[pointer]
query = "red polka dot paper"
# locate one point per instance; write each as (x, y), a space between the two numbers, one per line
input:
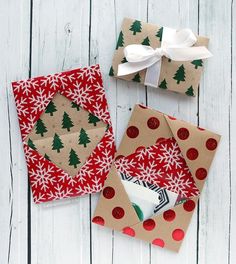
(84, 87)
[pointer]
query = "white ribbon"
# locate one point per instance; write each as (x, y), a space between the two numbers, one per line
(175, 45)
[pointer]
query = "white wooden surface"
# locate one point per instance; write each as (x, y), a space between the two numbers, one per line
(40, 37)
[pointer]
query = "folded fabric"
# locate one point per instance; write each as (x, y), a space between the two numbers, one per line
(165, 152)
(159, 56)
(66, 133)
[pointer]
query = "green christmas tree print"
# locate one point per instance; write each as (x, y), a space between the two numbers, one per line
(120, 42)
(111, 72)
(74, 105)
(136, 27)
(124, 60)
(40, 128)
(51, 108)
(93, 119)
(47, 157)
(180, 74)
(163, 84)
(190, 91)
(137, 78)
(66, 122)
(146, 42)
(83, 138)
(57, 143)
(73, 159)
(197, 63)
(31, 144)
(160, 33)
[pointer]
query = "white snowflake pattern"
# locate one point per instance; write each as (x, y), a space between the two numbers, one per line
(123, 165)
(85, 172)
(21, 108)
(27, 126)
(65, 177)
(95, 187)
(149, 173)
(40, 101)
(171, 156)
(101, 113)
(42, 176)
(99, 91)
(146, 152)
(29, 156)
(104, 163)
(39, 197)
(54, 81)
(60, 193)
(89, 73)
(26, 86)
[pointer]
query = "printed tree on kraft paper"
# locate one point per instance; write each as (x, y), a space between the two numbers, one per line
(74, 105)
(46, 157)
(197, 63)
(66, 122)
(180, 74)
(51, 108)
(57, 143)
(146, 42)
(137, 78)
(111, 72)
(190, 91)
(40, 128)
(160, 33)
(93, 119)
(120, 42)
(83, 138)
(136, 27)
(31, 144)
(163, 84)
(73, 159)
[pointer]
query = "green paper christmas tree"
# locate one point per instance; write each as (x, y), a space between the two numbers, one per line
(136, 27)
(124, 60)
(93, 119)
(159, 33)
(31, 144)
(57, 143)
(66, 122)
(120, 42)
(146, 42)
(197, 63)
(74, 105)
(111, 72)
(190, 91)
(83, 138)
(51, 108)
(47, 157)
(163, 84)
(73, 159)
(40, 128)
(180, 74)
(137, 78)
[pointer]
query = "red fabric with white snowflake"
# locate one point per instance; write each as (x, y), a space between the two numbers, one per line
(84, 87)
(161, 164)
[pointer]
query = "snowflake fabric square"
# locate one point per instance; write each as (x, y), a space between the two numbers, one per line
(66, 133)
(162, 151)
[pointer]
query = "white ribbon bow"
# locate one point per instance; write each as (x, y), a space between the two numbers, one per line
(175, 45)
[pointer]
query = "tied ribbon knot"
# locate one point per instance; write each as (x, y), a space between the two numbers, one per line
(175, 45)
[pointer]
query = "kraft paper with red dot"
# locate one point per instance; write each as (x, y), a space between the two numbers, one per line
(66, 133)
(147, 130)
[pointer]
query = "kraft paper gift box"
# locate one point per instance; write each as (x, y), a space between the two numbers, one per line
(66, 133)
(180, 63)
(171, 159)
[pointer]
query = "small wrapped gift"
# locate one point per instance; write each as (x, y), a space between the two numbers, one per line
(66, 133)
(159, 56)
(155, 182)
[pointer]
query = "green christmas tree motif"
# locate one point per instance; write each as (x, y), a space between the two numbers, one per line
(83, 138)
(197, 63)
(138, 211)
(160, 33)
(93, 119)
(124, 60)
(137, 78)
(136, 27)
(51, 108)
(146, 42)
(180, 74)
(57, 143)
(163, 84)
(40, 128)
(47, 157)
(111, 72)
(120, 42)
(31, 144)
(66, 122)
(190, 91)
(73, 159)
(74, 105)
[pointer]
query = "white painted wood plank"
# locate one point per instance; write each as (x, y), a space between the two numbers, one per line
(14, 46)
(215, 21)
(182, 14)
(60, 233)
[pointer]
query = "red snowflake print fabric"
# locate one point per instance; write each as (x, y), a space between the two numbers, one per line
(84, 87)
(161, 164)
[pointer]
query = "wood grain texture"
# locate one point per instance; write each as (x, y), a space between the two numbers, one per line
(41, 37)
